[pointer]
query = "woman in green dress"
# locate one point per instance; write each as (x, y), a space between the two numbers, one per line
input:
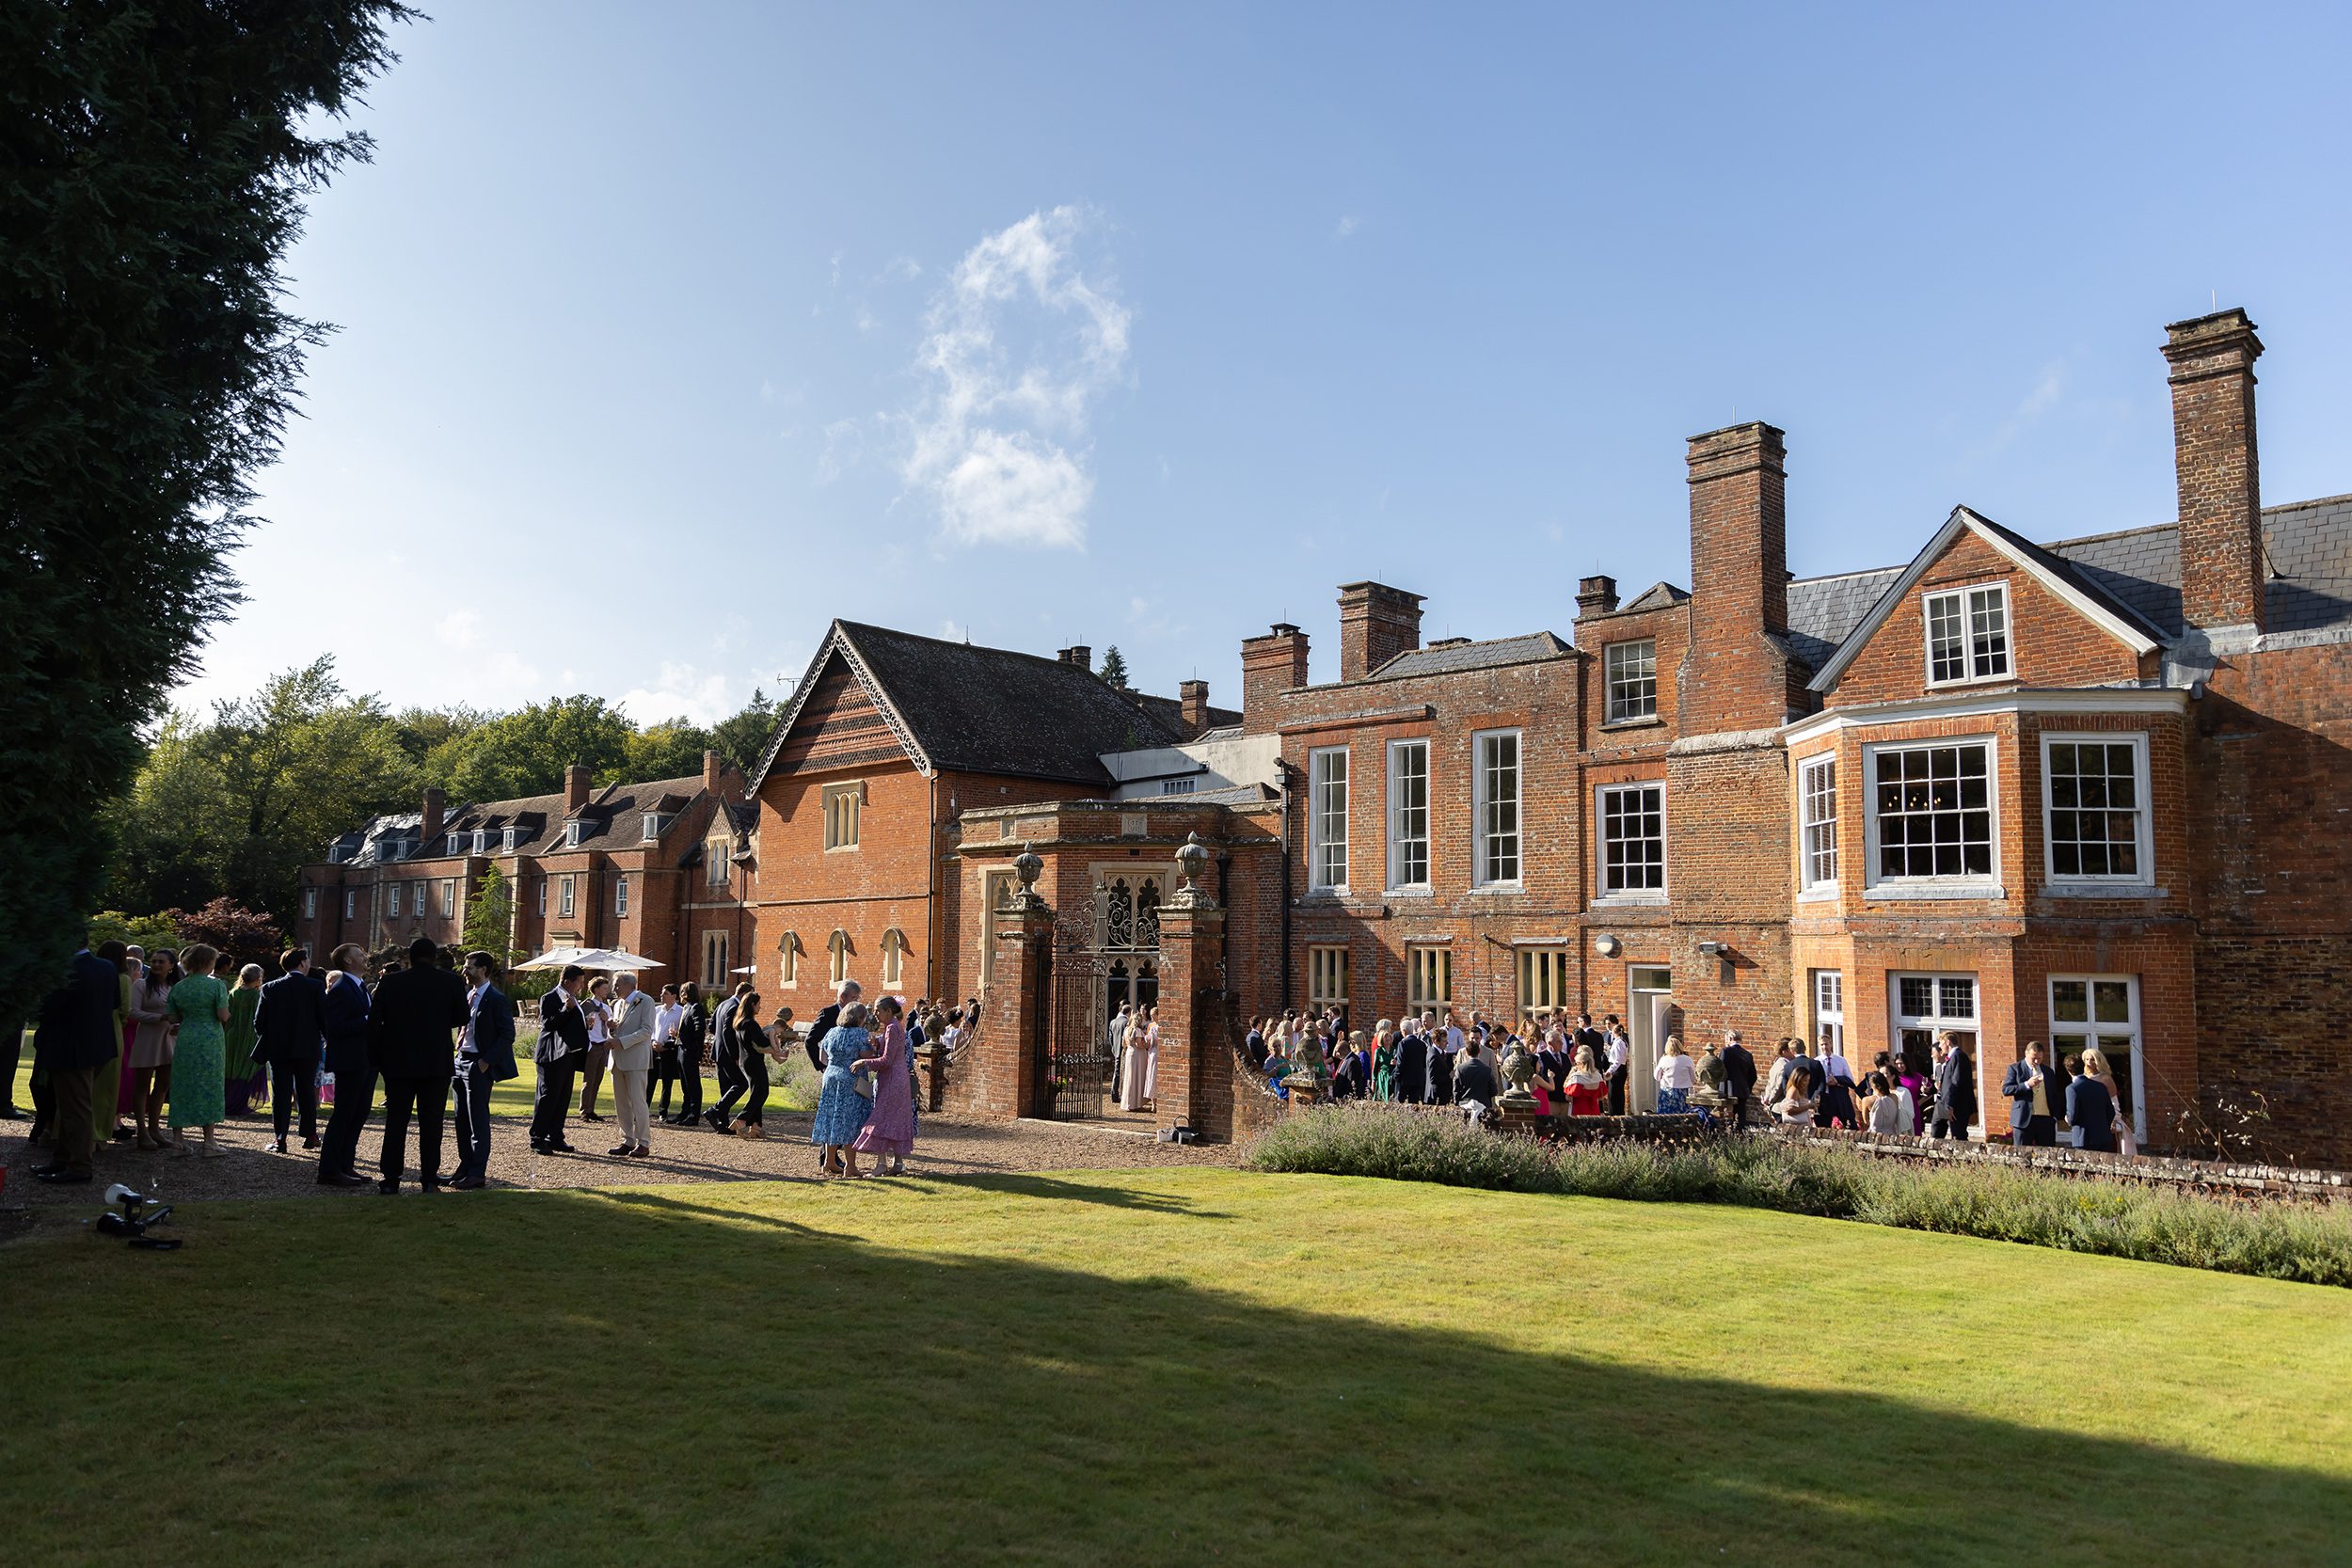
(200, 1005)
(1384, 1062)
(244, 998)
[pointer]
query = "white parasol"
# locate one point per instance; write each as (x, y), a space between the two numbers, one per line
(608, 958)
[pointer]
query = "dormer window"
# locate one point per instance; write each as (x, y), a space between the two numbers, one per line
(1967, 635)
(456, 844)
(571, 834)
(653, 824)
(482, 841)
(513, 841)
(715, 857)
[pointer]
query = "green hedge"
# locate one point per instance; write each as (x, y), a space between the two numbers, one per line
(2295, 1242)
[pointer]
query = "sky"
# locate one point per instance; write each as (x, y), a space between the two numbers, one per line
(665, 334)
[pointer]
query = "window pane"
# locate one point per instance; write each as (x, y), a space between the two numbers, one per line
(1633, 677)
(2112, 1001)
(1918, 997)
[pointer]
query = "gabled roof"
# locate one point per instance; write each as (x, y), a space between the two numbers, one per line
(1447, 659)
(2093, 602)
(1657, 595)
(957, 705)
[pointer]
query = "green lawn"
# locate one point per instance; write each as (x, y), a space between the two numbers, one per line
(1174, 1366)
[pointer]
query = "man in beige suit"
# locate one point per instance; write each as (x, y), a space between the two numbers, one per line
(633, 1065)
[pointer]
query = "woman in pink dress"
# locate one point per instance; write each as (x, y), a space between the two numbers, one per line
(889, 1129)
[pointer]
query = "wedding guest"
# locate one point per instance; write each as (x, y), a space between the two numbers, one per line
(410, 1022)
(889, 1129)
(290, 1031)
(751, 1047)
(632, 1059)
(1384, 1054)
(1675, 1075)
(82, 1033)
(667, 1014)
(150, 1051)
(842, 1100)
(240, 1079)
(693, 1035)
(1136, 1065)
(485, 1055)
(345, 1010)
(597, 1009)
(562, 1044)
(199, 1006)
(2096, 1067)
(727, 1056)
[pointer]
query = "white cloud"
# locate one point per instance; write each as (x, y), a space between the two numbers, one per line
(902, 269)
(997, 437)
(459, 628)
(1346, 227)
(683, 691)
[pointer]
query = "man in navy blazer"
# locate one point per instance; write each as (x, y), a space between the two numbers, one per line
(290, 1031)
(345, 1010)
(485, 1055)
(81, 1038)
(2036, 1099)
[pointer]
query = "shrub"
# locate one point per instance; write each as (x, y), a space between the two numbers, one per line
(2304, 1243)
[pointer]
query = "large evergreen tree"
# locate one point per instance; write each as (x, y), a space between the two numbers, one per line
(154, 158)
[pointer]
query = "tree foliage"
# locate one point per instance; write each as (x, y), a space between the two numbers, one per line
(671, 750)
(525, 752)
(155, 159)
(243, 934)
(1114, 671)
(490, 918)
(742, 738)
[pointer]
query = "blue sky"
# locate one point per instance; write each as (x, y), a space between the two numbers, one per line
(669, 332)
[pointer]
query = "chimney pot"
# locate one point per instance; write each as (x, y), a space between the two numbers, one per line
(575, 787)
(1376, 624)
(1078, 654)
(713, 769)
(429, 825)
(1595, 595)
(2217, 468)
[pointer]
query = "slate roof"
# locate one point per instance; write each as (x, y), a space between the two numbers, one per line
(613, 819)
(1452, 657)
(2135, 572)
(990, 710)
(1657, 595)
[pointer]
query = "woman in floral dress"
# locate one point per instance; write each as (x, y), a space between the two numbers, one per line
(841, 1106)
(199, 1006)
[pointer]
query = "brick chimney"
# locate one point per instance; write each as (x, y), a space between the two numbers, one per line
(575, 787)
(714, 769)
(2213, 458)
(1270, 665)
(429, 830)
(1737, 678)
(1192, 705)
(1376, 624)
(1596, 596)
(1078, 654)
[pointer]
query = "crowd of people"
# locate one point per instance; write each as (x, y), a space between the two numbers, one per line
(158, 1051)
(1571, 1067)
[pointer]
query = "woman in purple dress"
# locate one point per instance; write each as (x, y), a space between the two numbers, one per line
(889, 1129)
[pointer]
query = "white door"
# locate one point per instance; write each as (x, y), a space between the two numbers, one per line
(1652, 1006)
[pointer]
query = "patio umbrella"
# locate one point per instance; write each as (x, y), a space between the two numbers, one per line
(555, 957)
(612, 959)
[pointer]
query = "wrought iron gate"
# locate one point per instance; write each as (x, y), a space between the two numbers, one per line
(1086, 985)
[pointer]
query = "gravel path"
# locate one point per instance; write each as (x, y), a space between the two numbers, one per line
(947, 1145)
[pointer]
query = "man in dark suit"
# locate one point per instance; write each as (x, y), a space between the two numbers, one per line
(485, 1055)
(409, 1028)
(1955, 1090)
(562, 1046)
(345, 1007)
(1412, 1063)
(2036, 1099)
(1738, 1077)
(290, 1030)
(826, 1018)
(81, 1038)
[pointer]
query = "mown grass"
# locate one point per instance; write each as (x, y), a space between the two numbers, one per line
(2277, 1242)
(1176, 1366)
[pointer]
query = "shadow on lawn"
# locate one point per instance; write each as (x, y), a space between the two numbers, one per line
(803, 1397)
(1079, 1192)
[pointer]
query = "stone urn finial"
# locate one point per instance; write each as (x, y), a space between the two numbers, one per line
(1192, 864)
(1029, 867)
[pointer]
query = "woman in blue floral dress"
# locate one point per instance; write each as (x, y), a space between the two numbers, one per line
(843, 1103)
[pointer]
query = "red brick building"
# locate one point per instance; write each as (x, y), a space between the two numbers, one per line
(662, 868)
